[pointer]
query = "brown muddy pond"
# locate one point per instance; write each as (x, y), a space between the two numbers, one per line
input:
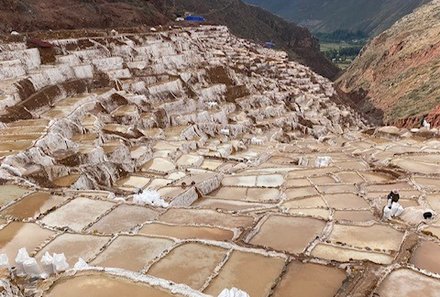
(291, 234)
(78, 213)
(187, 232)
(132, 252)
(189, 264)
(17, 235)
(11, 192)
(102, 285)
(205, 217)
(374, 237)
(408, 283)
(426, 256)
(123, 218)
(253, 273)
(33, 205)
(75, 246)
(308, 280)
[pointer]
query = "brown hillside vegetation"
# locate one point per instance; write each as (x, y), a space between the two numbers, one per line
(397, 72)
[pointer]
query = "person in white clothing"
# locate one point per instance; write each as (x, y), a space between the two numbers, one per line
(393, 207)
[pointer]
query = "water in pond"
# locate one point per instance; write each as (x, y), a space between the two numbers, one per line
(17, 235)
(187, 232)
(250, 272)
(291, 234)
(33, 204)
(11, 192)
(138, 251)
(426, 256)
(75, 246)
(309, 279)
(101, 285)
(408, 283)
(190, 264)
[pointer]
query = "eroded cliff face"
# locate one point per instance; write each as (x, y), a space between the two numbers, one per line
(397, 72)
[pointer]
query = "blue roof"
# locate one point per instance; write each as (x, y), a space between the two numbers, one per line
(269, 44)
(195, 18)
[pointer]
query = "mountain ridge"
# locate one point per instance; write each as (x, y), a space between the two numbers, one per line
(369, 16)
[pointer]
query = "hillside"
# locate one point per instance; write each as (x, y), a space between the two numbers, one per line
(259, 25)
(243, 20)
(369, 16)
(397, 72)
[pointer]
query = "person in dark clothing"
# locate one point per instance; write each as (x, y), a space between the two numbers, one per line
(393, 196)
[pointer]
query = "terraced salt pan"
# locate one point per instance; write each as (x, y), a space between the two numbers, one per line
(345, 201)
(253, 273)
(321, 213)
(77, 214)
(19, 145)
(433, 231)
(33, 205)
(159, 165)
(416, 167)
(123, 218)
(341, 254)
(190, 264)
(354, 215)
(308, 202)
(330, 189)
(247, 194)
(401, 186)
(376, 177)
(132, 252)
(102, 285)
(66, 181)
(205, 217)
(434, 201)
(300, 192)
(297, 183)
(426, 256)
(312, 172)
(230, 205)
(75, 246)
(211, 164)
(408, 283)
(186, 161)
(11, 192)
(349, 177)
(377, 236)
(352, 165)
(187, 232)
(134, 181)
(307, 279)
(17, 235)
(272, 180)
(291, 234)
(322, 180)
(428, 183)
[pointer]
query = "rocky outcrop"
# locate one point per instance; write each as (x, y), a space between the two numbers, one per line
(396, 73)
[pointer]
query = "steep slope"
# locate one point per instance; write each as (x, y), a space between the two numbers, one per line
(31, 15)
(259, 25)
(245, 21)
(369, 16)
(397, 72)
